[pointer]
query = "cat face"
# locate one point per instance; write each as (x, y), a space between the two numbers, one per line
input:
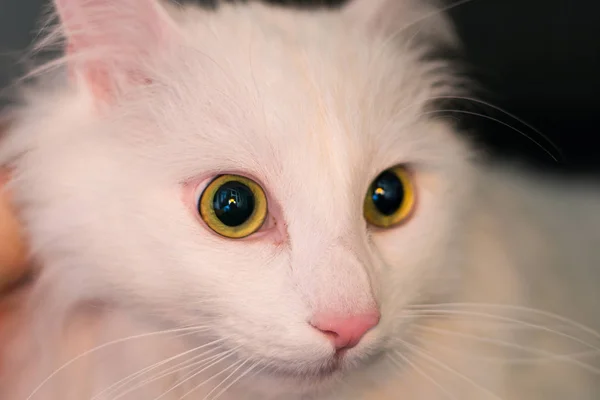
(311, 108)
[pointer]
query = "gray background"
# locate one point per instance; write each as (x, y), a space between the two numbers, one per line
(540, 59)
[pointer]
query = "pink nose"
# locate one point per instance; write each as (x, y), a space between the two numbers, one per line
(345, 332)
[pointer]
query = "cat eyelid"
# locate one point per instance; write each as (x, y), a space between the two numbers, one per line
(201, 185)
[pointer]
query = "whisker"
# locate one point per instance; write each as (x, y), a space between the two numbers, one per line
(513, 308)
(117, 385)
(224, 380)
(466, 112)
(548, 356)
(426, 355)
(189, 364)
(495, 107)
(182, 335)
(538, 144)
(516, 321)
(196, 372)
(237, 380)
(101, 347)
(422, 373)
(508, 360)
(208, 380)
(491, 324)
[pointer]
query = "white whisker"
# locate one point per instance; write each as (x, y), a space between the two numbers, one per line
(547, 356)
(189, 364)
(101, 347)
(497, 121)
(507, 319)
(237, 380)
(224, 380)
(197, 372)
(495, 107)
(419, 370)
(512, 308)
(426, 355)
(209, 379)
(117, 385)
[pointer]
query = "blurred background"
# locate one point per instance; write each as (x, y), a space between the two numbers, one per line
(538, 60)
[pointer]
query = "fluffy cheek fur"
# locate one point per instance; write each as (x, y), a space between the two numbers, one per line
(110, 226)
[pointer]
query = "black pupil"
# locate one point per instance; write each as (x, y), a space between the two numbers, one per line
(387, 193)
(233, 203)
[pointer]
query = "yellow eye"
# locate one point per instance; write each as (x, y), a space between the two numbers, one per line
(233, 206)
(390, 199)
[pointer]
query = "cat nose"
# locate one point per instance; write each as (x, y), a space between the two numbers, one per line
(345, 332)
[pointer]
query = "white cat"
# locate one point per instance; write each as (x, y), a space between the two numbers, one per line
(263, 203)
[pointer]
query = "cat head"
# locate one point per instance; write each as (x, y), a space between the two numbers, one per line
(275, 176)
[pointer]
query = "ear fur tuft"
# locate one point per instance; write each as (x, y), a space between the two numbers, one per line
(110, 42)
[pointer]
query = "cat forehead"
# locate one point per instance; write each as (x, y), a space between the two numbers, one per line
(263, 79)
(302, 58)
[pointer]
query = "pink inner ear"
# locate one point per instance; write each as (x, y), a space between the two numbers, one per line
(110, 41)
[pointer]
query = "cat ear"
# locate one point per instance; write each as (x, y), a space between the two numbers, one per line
(110, 43)
(391, 17)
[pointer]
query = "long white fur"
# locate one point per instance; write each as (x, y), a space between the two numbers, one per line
(313, 105)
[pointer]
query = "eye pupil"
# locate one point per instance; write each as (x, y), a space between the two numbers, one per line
(233, 203)
(387, 193)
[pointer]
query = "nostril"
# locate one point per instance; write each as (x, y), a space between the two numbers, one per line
(345, 332)
(330, 334)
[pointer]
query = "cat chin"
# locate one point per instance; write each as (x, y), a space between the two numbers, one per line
(312, 378)
(295, 382)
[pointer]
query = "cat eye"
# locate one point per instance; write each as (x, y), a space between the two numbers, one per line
(390, 199)
(233, 206)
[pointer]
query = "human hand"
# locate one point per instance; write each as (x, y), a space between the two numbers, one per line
(13, 253)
